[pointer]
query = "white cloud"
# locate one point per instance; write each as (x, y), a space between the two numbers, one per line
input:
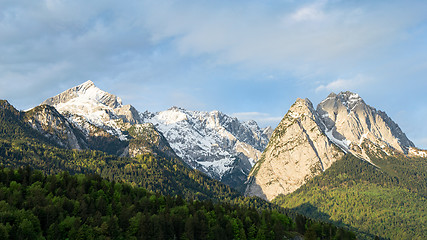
(52, 44)
(318, 35)
(309, 12)
(344, 84)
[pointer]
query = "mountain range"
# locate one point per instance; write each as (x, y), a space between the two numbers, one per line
(212, 142)
(309, 140)
(343, 145)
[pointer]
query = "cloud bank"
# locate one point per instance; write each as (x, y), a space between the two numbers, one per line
(163, 53)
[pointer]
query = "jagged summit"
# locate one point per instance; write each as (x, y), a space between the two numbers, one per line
(301, 107)
(175, 108)
(88, 83)
(307, 141)
(212, 142)
(95, 105)
(349, 121)
(350, 100)
(85, 94)
(298, 150)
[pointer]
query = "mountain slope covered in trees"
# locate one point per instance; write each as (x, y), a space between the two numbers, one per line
(388, 200)
(64, 206)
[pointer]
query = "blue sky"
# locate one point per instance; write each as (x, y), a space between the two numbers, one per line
(249, 59)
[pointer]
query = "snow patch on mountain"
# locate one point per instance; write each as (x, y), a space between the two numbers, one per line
(417, 152)
(212, 142)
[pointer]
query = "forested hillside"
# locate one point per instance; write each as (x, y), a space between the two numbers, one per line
(13, 127)
(388, 200)
(64, 206)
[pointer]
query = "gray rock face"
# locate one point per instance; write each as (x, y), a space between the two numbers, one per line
(268, 132)
(57, 128)
(212, 142)
(350, 122)
(308, 141)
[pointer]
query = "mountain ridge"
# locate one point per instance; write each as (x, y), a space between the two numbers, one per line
(308, 140)
(212, 142)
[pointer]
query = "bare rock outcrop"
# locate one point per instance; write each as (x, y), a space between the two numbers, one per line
(308, 141)
(297, 151)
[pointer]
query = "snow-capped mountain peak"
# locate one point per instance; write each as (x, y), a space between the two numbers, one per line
(89, 107)
(212, 142)
(87, 92)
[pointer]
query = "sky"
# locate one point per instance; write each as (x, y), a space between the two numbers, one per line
(248, 58)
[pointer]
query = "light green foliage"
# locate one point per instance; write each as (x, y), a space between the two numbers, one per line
(368, 199)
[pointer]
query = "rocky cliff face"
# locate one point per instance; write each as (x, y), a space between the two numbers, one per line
(48, 121)
(212, 142)
(350, 122)
(297, 151)
(308, 141)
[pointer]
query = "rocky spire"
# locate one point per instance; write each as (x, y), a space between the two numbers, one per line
(308, 141)
(297, 151)
(349, 119)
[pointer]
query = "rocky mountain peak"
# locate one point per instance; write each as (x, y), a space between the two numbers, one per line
(268, 131)
(86, 85)
(4, 104)
(344, 100)
(176, 109)
(349, 121)
(171, 116)
(308, 141)
(85, 94)
(212, 142)
(350, 100)
(298, 150)
(48, 121)
(301, 107)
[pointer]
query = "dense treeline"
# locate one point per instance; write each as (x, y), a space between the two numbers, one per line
(166, 176)
(35, 206)
(388, 201)
(409, 173)
(13, 127)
